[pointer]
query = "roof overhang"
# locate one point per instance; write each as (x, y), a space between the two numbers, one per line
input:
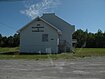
(59, 31)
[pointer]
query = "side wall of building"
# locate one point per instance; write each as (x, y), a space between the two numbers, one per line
(31, 42)
(67, 29)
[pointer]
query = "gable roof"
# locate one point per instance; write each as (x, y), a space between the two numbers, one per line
(59, 31)
(57, 21)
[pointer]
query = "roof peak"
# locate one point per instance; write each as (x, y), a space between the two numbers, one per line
(48, 14)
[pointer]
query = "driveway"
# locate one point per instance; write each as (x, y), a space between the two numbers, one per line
(82, 68)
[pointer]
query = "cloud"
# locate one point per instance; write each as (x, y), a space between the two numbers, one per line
(33, 9)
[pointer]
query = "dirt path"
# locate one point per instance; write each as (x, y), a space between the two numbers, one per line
(86, 68)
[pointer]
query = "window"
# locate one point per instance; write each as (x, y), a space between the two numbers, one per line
(38, 24)
(45, 37)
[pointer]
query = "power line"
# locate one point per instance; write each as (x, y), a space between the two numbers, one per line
(10, 0)
(8, 26)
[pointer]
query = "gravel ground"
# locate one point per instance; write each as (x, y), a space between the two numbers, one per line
(84, 68)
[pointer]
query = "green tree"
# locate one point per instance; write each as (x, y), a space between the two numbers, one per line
(16, 40)
(4, 42)
(99, 39)
(81, 37)
(10, 41)
(91, 43)
(0, 40)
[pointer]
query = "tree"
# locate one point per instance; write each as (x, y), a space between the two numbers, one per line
(10, 41)
(81, 37)
(16, 39)
(0, 40)
(90, 40)
(4, 42)
(99, 39)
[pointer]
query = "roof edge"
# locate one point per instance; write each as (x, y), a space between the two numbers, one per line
(59, 31)
(18, 31)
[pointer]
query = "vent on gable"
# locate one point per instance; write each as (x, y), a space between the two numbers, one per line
(38, 24)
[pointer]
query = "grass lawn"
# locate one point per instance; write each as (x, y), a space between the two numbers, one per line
(7, 49)
(89, 52)
(79, 52)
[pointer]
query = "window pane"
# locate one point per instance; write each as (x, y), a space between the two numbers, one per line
(44, 37)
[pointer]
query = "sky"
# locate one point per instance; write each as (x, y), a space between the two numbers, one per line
(84, 14)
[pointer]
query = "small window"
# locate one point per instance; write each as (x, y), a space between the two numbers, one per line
(38, 24)
(52, 39)
(44, 37)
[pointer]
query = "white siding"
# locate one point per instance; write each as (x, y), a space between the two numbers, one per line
(67, 29)
(31, 42)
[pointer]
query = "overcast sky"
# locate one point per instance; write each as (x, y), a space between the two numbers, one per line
(84, 14)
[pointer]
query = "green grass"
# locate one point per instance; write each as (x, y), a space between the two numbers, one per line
(85, 52)
(79, 53)
(7, 49)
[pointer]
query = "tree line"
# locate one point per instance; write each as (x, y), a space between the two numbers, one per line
(11, 41)
(89, 40)
(84, 39)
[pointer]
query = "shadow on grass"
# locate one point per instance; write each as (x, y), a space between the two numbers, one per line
(9, 53)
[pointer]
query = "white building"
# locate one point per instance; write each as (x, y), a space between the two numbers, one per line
(46, 34)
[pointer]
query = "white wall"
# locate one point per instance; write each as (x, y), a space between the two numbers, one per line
(66, 28)
(31, 42)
